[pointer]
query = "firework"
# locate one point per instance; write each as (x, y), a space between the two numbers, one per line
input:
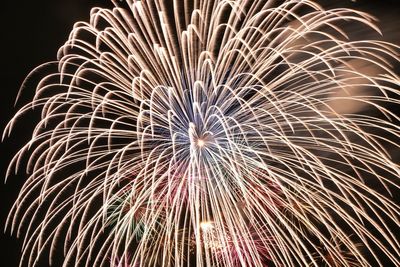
(213, 133)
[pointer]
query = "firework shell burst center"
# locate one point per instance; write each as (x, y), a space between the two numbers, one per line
(213, 133)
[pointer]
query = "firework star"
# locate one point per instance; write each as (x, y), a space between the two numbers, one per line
(213, 133)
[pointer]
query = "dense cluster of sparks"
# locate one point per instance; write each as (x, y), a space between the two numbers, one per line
(213, 133)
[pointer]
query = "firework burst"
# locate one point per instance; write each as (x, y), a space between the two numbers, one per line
(213, 133)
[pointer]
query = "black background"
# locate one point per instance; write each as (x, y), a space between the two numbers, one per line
(32, 32)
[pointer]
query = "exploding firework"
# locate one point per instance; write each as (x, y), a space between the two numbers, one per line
(213, 133)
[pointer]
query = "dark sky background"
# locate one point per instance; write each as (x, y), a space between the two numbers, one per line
(32, 32)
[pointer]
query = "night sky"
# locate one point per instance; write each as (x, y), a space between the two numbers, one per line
(32, 32)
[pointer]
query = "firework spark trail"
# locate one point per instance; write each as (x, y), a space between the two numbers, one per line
(213, 133)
